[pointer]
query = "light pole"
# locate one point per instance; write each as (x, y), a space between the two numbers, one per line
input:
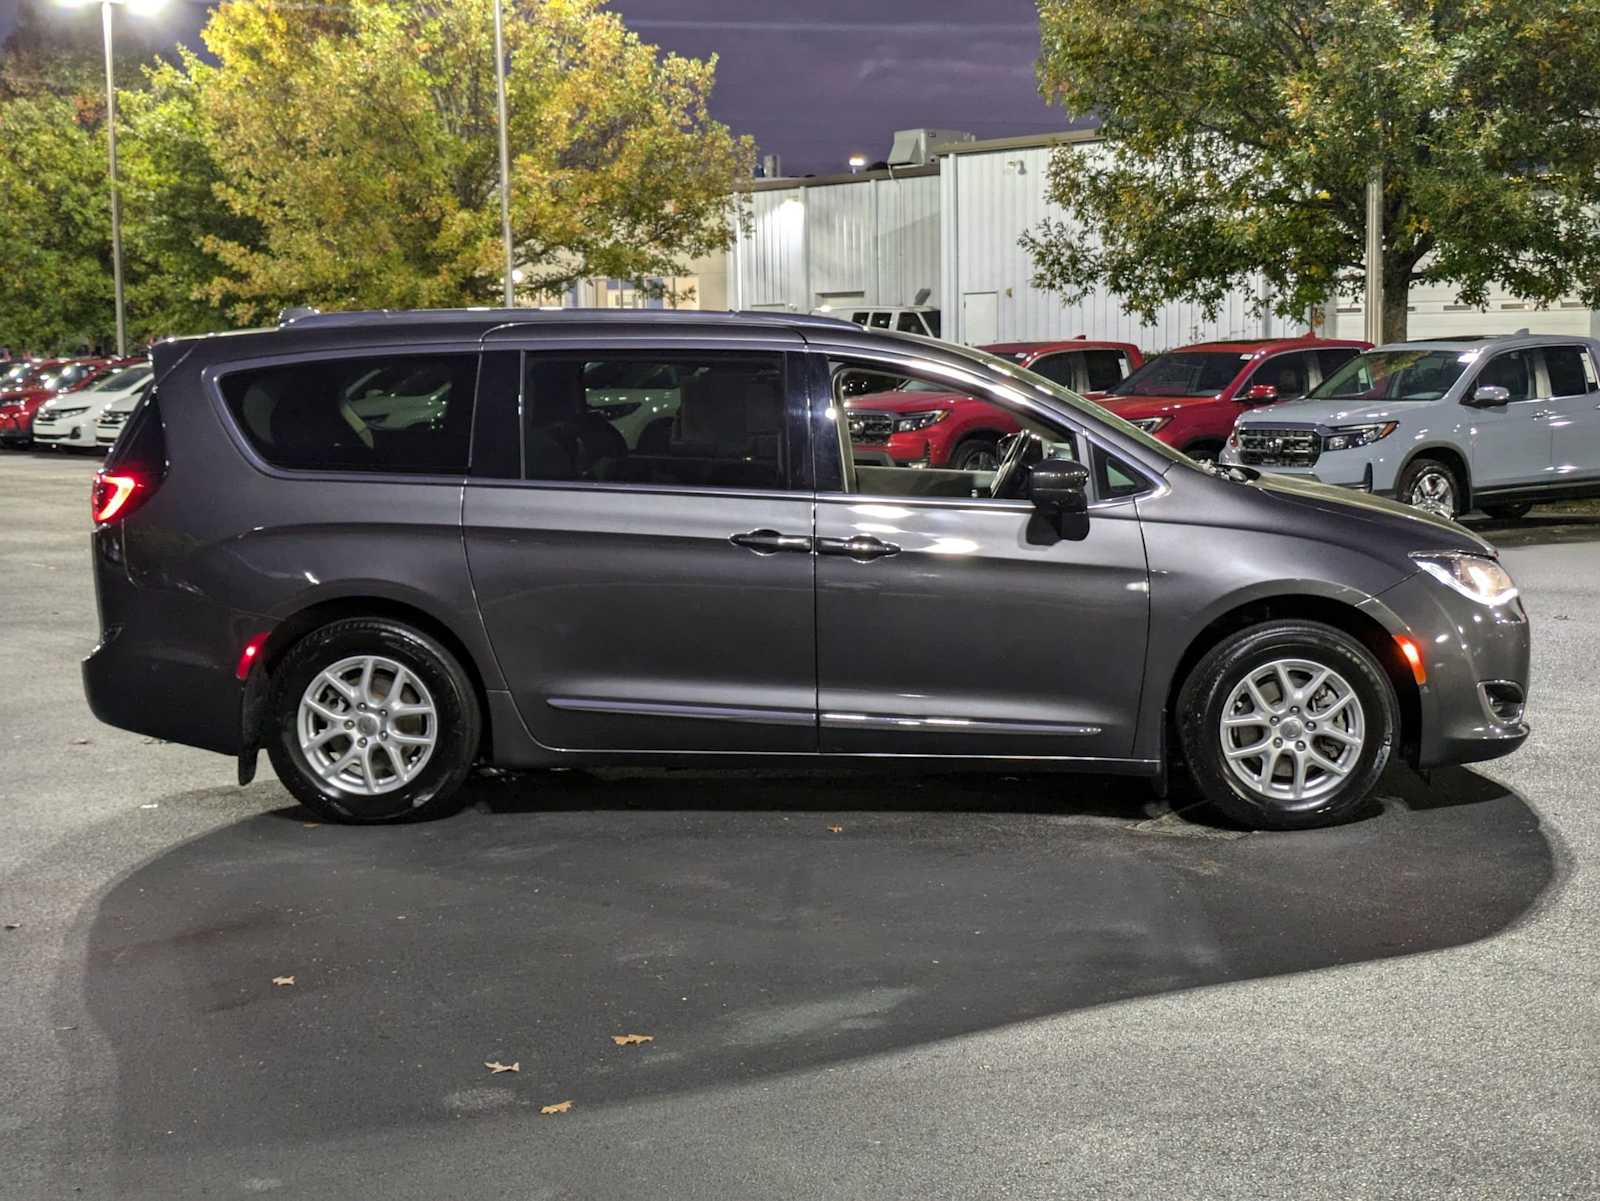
(106, 25)
(505, 154)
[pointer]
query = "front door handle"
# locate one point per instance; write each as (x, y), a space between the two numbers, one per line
(862, 547)
(770, 542)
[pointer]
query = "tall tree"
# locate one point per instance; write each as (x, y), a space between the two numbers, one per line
(361, 141)
(1240, 135)
(55, 221)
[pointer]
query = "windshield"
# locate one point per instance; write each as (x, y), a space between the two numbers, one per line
(128, 377)
(1396, 375)
(15, 374)
(1184, 373)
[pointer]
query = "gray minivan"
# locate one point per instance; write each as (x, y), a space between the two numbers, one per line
(381, 595)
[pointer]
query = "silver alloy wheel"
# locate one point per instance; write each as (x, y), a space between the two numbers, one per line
(1433, 491)
(1292, 730)
(367, 725)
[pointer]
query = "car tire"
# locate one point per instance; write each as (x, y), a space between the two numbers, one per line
(1514, 512)
(1431, 485)
(981, 453)
(411, 733)
(1235, 699)
(1204, 452)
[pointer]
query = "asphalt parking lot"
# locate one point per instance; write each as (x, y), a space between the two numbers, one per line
(957, 986)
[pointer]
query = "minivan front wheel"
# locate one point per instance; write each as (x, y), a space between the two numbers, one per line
(372, 721)
(1287, 725)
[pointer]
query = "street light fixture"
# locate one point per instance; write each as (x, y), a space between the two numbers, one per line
(140, 8)
(857, 161)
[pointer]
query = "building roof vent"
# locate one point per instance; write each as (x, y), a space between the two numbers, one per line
(917, 147)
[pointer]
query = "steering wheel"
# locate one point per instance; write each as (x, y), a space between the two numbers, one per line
(1008, 472)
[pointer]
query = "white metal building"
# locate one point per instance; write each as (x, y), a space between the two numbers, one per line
(952, 227)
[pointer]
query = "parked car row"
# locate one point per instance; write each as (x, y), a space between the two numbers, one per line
(1448, 425)
(69, 402)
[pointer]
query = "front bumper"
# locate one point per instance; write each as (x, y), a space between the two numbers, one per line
(16, 426)
(1464, 646)
(70, 431)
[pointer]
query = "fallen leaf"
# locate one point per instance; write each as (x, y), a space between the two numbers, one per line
(283, 981)
(150, 805)
(632, 1040)
(11, 925)
(836, 829)
(80, 742)
(496, 1067)
(311, 825)
(558, 1107)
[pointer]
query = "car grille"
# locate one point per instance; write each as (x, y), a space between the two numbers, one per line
(870, 427)
(1263, 446)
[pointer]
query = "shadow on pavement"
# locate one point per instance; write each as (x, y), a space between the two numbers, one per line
(1538, 528)
(723, 916)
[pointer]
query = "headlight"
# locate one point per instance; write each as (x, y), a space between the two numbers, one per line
(919, 421)
(1347, 437)
(1477, 577)
(1150, 424)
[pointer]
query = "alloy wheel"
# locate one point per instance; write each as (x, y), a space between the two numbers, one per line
(1433, 491)
(1292, 730)
(367, 725)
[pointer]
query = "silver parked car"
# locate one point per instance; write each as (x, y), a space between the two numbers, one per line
(1496, 424)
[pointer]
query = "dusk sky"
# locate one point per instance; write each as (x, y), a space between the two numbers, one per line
(818, 80)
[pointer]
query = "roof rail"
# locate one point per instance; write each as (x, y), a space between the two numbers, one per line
(307, 317)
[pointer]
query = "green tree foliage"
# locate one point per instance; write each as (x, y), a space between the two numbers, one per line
(55, 253)
(361, 142)
(1239, 135)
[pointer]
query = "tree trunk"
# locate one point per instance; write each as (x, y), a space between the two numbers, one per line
(1396, 301)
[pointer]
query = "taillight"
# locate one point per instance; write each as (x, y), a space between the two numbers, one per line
(115, 494)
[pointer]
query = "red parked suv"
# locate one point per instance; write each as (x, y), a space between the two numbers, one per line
(48, 378)
(1190, 397)
(897, 422)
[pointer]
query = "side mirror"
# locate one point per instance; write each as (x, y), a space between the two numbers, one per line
(1259, 394)
(1489, 395)
(1059, 486)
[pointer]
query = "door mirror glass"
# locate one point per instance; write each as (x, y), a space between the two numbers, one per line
(1058, 486)
(1259, 394)
(1490, 394)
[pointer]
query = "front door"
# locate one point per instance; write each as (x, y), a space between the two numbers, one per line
(1511, 442)
(950, 622)
(645, 576)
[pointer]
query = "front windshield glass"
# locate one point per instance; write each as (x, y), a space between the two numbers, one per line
(128, 377)
(1184, 373)
(1396, 375)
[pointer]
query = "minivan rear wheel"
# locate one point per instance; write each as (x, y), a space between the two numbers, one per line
(372, 721)
(1287, 725)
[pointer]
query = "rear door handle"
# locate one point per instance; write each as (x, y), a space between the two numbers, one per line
(861, 547)
(770, 542)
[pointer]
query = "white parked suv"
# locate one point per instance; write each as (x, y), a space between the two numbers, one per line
(903, 318)
(1496, 424)
(72, 418)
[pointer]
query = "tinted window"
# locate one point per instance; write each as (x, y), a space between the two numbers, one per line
(1058, 369)
(1184, 373)
(1570, 371)
(909, 323)
(1511, 371)
(1335, 358)
(401, 413)
(931, 317)
(880, 320)
(698, 421)
(118, 381)
(1290, 374)
(1104, 368)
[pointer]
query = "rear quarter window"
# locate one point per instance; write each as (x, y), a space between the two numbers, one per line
(386, 414)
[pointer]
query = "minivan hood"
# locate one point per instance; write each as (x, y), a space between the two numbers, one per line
(1429, 531)
(1329, 412)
